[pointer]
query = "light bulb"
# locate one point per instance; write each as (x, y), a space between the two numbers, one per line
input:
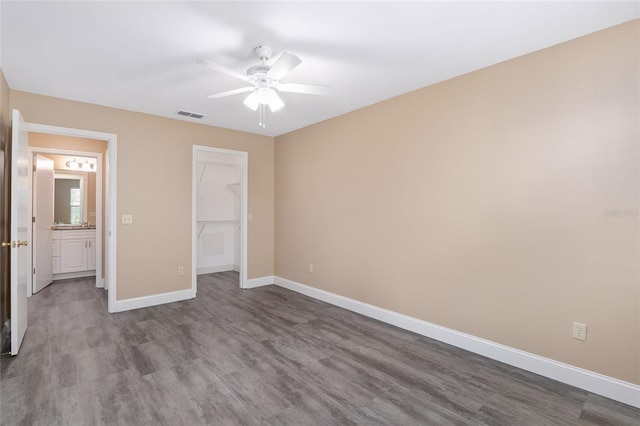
(275, 103)
(252, 101)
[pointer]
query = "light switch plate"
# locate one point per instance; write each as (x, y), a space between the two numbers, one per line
(127, 219)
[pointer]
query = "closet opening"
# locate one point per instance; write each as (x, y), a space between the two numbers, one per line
(219, 214)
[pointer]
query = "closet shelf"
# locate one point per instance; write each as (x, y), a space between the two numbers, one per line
(204, 169)
(204, 223)
(235, 187)
(213, 163)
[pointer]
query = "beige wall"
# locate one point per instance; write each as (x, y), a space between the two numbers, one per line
(480, 203)
(91, 198)
(154, 185)
(67, 143)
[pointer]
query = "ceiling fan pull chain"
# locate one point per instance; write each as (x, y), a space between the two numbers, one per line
(261, 116)
(264, 116)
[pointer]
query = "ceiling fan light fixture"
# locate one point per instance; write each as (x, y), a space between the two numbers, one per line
(275, 103)
(265, 94)
(252, 101)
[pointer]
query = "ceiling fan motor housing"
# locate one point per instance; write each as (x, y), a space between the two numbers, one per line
(258, 74)
(258, 70)
(263, 52)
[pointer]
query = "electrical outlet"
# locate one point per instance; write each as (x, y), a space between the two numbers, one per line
(311, 268)
(579, 331)
(127, 219)
(180, 270)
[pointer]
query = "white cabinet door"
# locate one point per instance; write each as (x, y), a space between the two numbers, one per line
(55, 252)
(74, 255)
(91, 255)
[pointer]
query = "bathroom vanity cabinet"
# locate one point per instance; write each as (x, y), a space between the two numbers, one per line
(74, 253)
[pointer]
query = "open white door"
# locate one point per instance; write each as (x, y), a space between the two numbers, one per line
(20, 222)
(43, 212)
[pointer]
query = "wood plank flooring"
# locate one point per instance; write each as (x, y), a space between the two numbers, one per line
(262, 356)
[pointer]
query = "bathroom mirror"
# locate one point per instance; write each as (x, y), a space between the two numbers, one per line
(69, 199)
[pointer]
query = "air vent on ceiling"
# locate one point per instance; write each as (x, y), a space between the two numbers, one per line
(190, 114)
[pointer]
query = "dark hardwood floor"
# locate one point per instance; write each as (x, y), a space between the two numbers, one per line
(262, 356)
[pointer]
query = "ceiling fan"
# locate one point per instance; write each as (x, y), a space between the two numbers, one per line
(265, 81)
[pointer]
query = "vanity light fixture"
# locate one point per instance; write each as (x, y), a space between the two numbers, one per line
(86, 166)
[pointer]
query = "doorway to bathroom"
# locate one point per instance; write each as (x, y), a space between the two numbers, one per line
(68, 200)
(98, 146)
(219, 213)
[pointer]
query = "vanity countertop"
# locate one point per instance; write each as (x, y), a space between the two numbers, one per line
(71, 227)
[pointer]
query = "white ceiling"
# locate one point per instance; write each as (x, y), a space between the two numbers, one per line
(141, 56)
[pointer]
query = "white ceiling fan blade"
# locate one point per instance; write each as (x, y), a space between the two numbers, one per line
(285, 63)
(222, 69)
(231, 92)
(310, 89)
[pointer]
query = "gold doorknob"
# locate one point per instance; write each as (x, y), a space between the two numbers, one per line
(7, 244)
(23, 243)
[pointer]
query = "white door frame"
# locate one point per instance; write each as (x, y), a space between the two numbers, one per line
(109, 221)
(99, 191)
(244, 179)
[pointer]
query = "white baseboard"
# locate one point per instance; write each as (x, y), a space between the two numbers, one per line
(590, 381)
(68, 275)
(259, 282)
(156, 299)
(216, 269)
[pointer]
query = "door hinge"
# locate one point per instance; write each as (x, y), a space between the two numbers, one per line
(34, 168)
(34, 271)
(33, 219)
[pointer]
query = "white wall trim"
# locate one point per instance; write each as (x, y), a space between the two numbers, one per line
(153, 300)
(215, 269)
(260, 282)
(590, 381)
(80, 274)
